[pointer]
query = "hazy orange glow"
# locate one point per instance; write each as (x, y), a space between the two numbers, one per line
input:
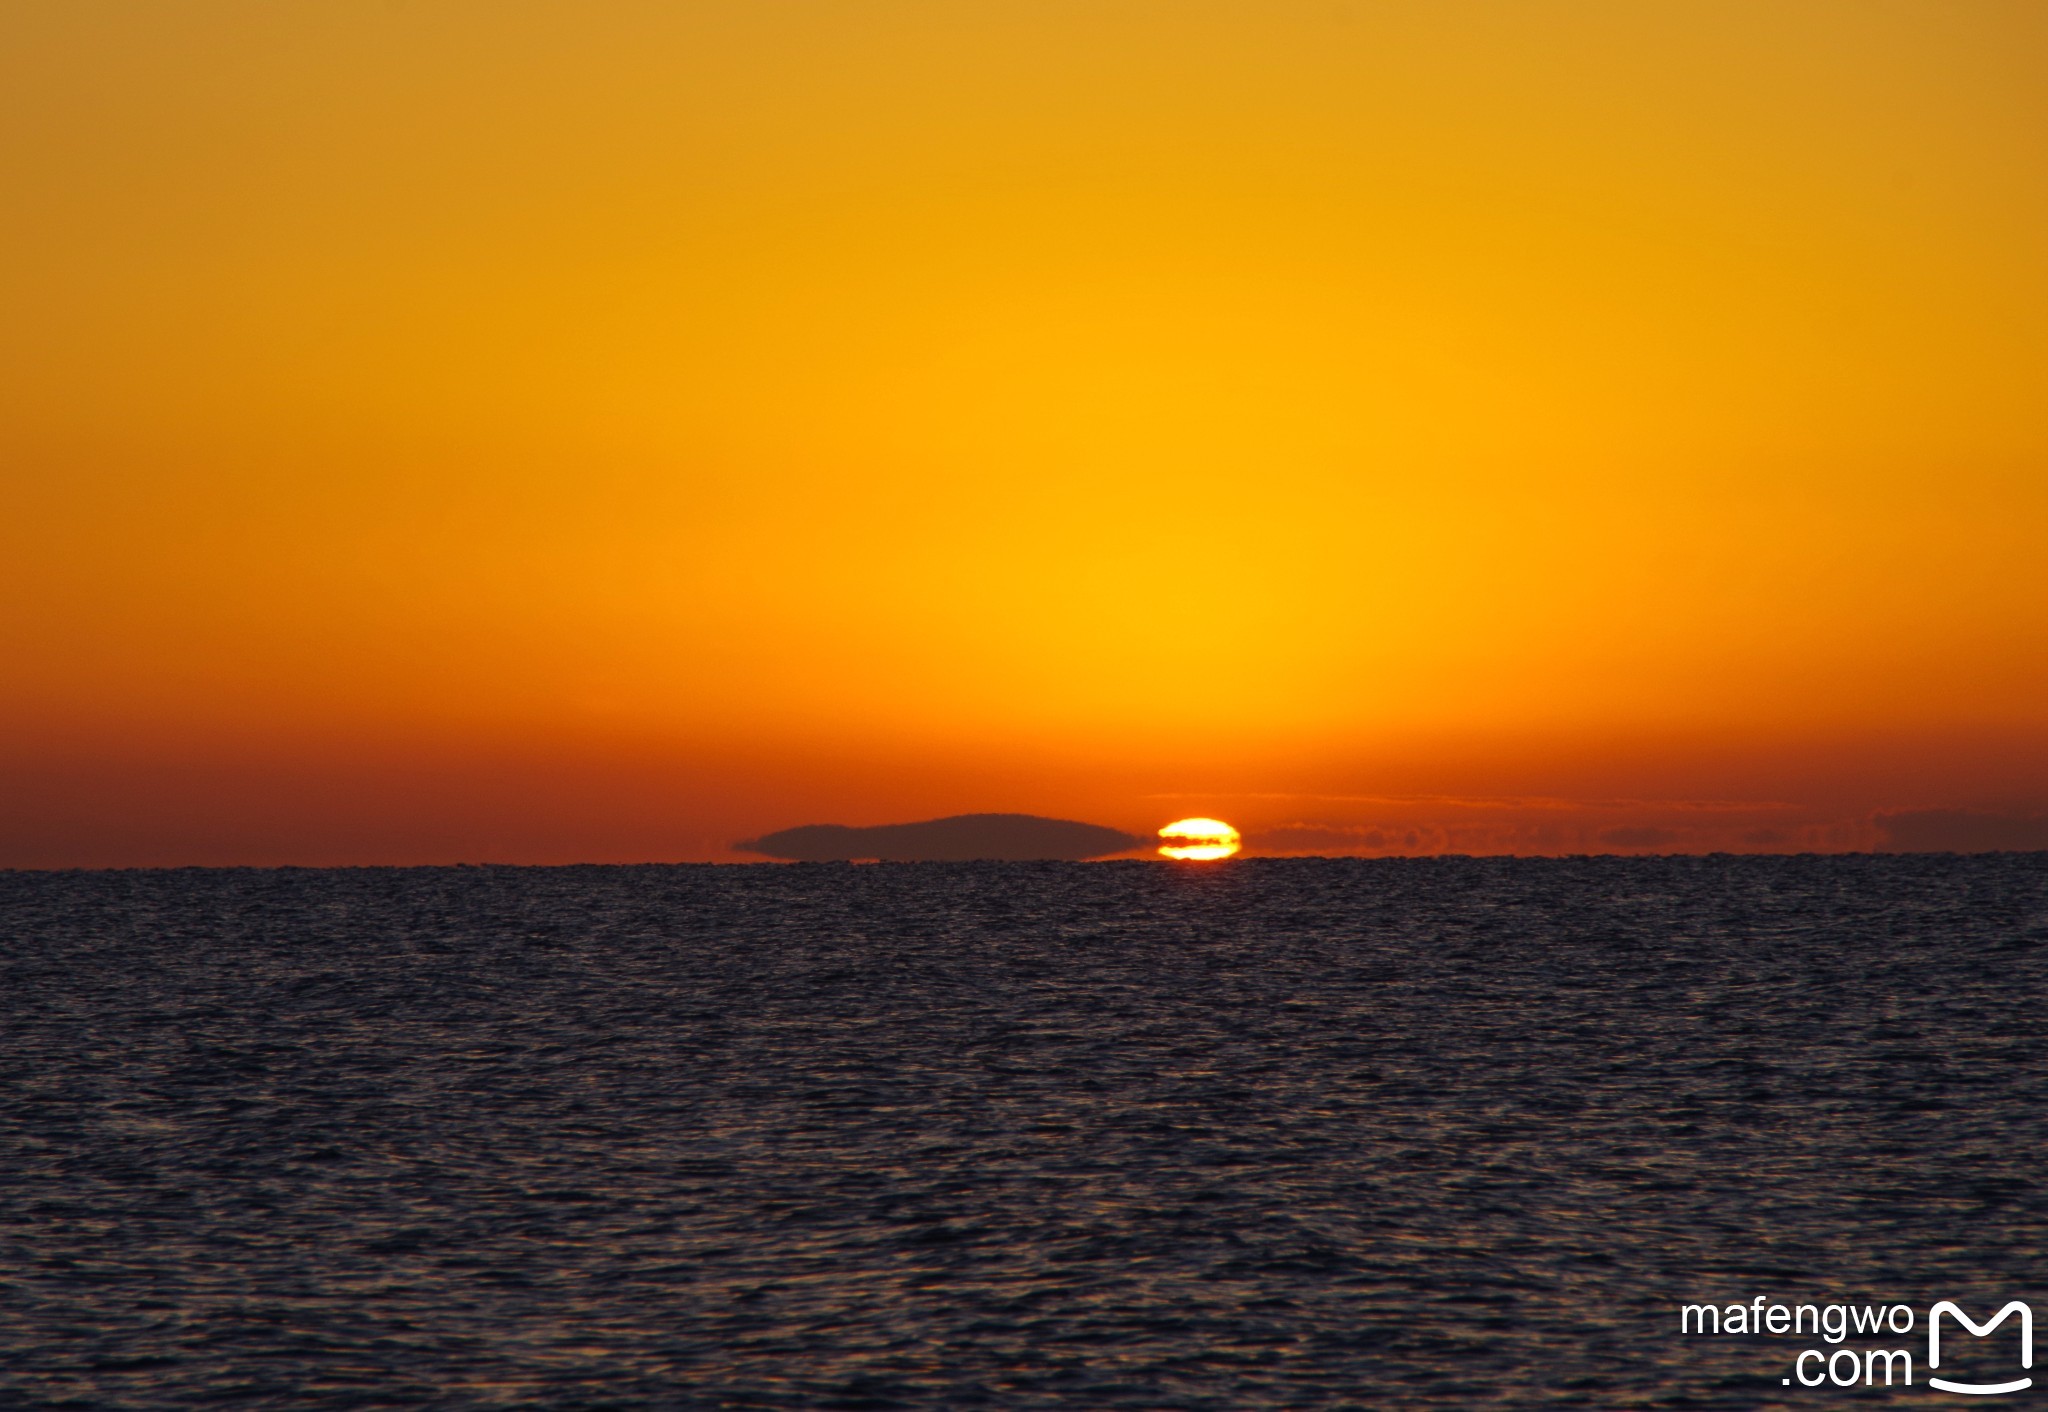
(1198, 840)
(544, 431)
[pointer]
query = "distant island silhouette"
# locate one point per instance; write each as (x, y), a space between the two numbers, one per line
(963, 838)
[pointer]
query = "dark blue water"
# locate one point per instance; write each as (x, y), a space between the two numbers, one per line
(1315, 1134)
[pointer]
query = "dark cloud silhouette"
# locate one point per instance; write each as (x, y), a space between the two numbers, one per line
(1638, 836)
(961, 839)
(1960, 831)
(1346, 838)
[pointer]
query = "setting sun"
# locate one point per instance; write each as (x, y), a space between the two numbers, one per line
(1198, 840)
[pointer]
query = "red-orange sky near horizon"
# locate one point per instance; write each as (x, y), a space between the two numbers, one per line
(540, 432)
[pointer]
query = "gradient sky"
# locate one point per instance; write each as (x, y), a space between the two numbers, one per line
(603, 430)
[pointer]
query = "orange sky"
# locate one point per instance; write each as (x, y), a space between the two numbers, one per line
(539, 432)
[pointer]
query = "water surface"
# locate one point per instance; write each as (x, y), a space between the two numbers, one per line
(1317, 1134)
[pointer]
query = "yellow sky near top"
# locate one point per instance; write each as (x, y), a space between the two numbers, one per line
(1193, 382)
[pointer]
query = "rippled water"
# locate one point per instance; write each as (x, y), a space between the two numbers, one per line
(1455, 1133)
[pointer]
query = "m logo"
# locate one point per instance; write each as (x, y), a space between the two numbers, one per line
(1981, 1331)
